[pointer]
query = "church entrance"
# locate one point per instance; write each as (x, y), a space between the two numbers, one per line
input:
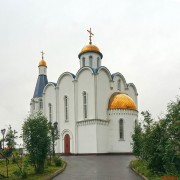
(67, 144)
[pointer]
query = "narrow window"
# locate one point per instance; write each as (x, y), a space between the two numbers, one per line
(33, 105)
(90, 61)
(40, 103)
(50, 112)
(98, 64)
(136, 122)
(119, 84)
(66, 107)
(83, 61)
(85, 104)
(121, 129)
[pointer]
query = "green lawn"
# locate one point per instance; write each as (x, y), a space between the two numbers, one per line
(30, 171)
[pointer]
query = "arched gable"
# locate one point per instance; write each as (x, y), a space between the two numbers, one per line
(121, 76)
(134, 87)
(65, 74)
(103, 68)
(83, 69)
(48, 85)
(66, 131)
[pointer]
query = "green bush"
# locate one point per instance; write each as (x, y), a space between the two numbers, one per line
(20, 173)
(15, 157)
(7, 151)
(57, 161)
(157, 142)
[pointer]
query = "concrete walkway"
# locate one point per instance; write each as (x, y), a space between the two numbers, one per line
(102, 167)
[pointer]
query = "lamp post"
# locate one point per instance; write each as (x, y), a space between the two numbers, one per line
(3, 132)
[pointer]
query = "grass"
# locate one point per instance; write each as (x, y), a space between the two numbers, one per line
(49, 170)
(141, 167)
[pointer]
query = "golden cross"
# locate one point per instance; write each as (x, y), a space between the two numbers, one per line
(90, 36)
(42, 54)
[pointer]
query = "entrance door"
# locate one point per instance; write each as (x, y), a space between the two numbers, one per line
(67, 144)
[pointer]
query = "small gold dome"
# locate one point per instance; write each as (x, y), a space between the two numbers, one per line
(42, 63)
(90, 48)
(121, 101)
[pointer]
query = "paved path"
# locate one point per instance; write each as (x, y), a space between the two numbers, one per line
(102, 167)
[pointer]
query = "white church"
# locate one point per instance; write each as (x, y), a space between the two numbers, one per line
(95, 110)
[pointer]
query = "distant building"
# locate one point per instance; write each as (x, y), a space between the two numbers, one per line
(95, 110)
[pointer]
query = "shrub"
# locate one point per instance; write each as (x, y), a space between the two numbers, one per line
(7, 151)
(57, 161)
(15, 157)
(21, 173)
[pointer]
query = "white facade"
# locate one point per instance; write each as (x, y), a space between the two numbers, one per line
(88, 122)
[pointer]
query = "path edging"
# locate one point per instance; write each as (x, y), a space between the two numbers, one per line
(145, 178)
(57, 172)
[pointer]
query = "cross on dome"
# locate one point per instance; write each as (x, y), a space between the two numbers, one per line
(42, 54)
(90, 36)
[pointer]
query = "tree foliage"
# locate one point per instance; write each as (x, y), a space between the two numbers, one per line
(158, 142)
(10, 137)
(36, 140)
(10, 140)
(54, 135)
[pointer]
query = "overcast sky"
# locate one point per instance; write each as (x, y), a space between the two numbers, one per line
(138, 38)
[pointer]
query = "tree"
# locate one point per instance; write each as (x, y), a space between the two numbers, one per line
(36, 140)
(172, 148)
(137, 140)
(158, 143)
(54, 133)
(10, 137)
(10, 141)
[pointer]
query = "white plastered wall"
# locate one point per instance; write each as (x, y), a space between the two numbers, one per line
(103, 94)
(102, 138)
(131, 92)
(87, 142)
(115, 84)
(49, 96)
(115, 143)
(85, 82)
(66, 88)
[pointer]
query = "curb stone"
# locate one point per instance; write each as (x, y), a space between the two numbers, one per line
(145, 178)
(57, 172)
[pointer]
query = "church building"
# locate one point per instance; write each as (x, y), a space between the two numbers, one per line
(95, 111)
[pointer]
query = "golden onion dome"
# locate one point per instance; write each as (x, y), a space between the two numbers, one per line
(90, 48)
(121, 101)
(42, 63)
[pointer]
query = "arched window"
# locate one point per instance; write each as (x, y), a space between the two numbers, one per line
(90, 61)
(136, 122)
(83, 61)
(66, 108)
(33, 103)
(119, 84)
(85, 104)
(121, 129)
(40, 104)
(50, 112)
(98, 63)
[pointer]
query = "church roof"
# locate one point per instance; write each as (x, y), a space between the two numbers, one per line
(41, 83)
(121, 101)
